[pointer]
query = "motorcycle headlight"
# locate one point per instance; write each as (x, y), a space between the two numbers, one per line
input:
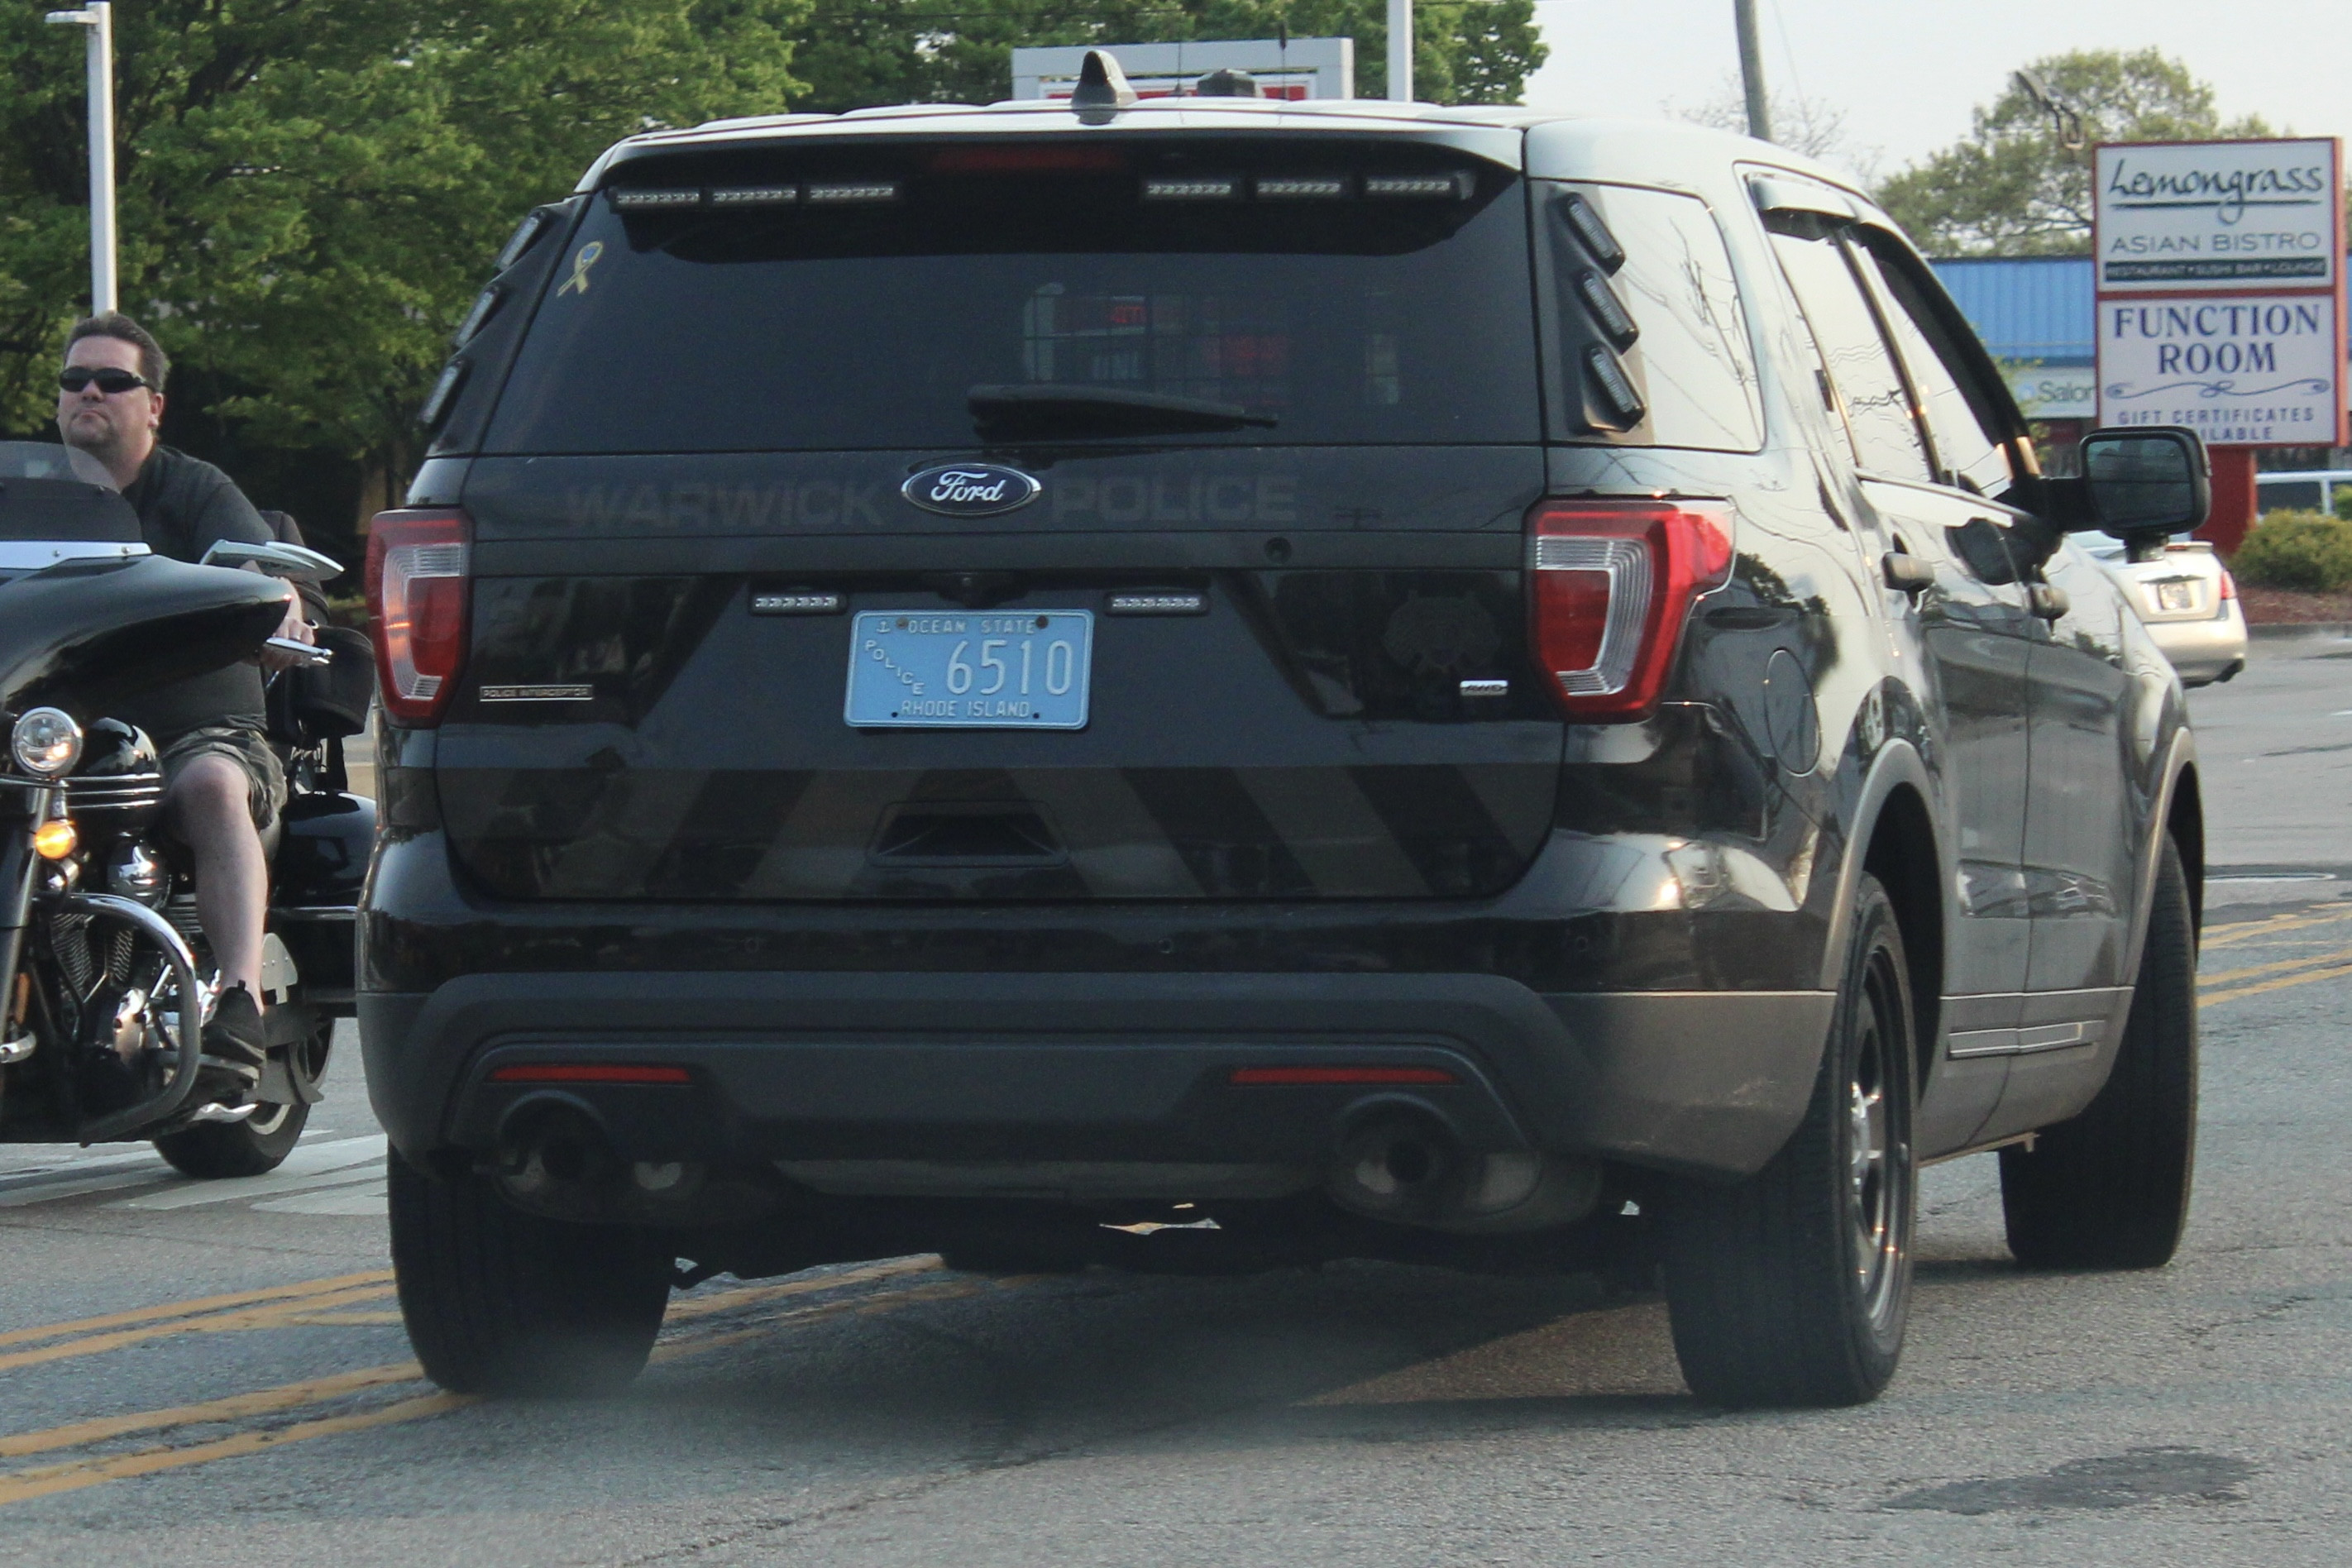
(46, 743)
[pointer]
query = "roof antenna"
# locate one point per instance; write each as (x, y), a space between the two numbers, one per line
(1102, 90)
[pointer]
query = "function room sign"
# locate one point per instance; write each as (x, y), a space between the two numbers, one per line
(2252, 370)
(2220, 290)
(2175, 215)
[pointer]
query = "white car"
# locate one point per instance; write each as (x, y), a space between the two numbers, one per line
(2189, 601)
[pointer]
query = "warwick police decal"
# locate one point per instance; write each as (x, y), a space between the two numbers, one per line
(971, 489)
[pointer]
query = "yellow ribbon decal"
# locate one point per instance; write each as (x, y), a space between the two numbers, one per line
(580, 266)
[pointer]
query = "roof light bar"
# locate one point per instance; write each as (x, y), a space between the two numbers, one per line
(1459, 185)
(650, 198)
(847, 192)
(1302, 187)
(754, 196)
(1192, 187)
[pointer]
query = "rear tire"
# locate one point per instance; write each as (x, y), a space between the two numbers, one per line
(211, 1151)
(2110, 1188)
(1794, 1287)
(505, 1303)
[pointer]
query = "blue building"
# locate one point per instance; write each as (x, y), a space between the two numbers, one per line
(2036, 313)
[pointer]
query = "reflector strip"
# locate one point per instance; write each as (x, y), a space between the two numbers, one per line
(1157, 604)
(797, 602)
(1457, 185)
(754, 196)
(1321, 187)
(1258, 1077)
(839, 193)
(1192, 188)
(643, 199)
(589, 1072)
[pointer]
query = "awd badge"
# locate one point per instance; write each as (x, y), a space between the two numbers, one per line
(971, 489)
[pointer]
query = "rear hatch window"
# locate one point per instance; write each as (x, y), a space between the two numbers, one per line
(1316, 292)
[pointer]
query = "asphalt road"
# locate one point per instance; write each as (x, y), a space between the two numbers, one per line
(215, 1373)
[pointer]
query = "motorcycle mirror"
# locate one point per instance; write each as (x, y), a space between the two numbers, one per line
(272, 556)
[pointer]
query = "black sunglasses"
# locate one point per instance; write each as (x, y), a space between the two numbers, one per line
(73, 378)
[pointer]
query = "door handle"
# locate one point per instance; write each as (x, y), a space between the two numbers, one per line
(2047, 602)
(1906, 573)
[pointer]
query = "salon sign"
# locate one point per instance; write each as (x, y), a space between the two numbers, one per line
(2221, 289)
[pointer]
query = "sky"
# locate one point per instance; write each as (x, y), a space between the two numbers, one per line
(1905, 73)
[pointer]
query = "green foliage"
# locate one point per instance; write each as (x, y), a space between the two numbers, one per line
(307, 188)
(2009, 188)
(2306, 549)
(862, 52)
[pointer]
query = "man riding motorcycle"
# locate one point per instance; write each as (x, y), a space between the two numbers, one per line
(224, 786)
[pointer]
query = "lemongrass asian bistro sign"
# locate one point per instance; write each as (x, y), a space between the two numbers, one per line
(2221, 289)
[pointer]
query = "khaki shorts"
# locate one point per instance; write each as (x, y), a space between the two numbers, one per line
(265, 776)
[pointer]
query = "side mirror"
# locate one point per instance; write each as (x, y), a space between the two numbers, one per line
(2149, 478)
(271, 557)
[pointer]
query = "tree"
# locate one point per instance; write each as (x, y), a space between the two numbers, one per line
(1807, 125)
(2011, 188)
(926, 51)
(307, 188)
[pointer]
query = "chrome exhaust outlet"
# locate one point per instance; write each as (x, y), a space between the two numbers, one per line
(1403, 1167)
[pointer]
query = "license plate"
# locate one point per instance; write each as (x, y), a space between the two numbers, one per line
(969, 670)
(2181, 594)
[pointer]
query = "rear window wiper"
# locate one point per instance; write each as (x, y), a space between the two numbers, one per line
(1011, 413)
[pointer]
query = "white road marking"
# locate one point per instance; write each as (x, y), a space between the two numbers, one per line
(72, 1185)
(348, 1202)
(310, 1165)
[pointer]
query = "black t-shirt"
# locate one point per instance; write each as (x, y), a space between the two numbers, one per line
(185, 506)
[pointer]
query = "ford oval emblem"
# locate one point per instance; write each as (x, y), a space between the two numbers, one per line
(971, 489)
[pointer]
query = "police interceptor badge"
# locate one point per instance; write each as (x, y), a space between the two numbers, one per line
(971, 489)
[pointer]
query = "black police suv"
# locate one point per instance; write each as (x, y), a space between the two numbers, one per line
(1213, 684)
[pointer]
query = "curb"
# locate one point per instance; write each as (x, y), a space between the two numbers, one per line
(2265, 631)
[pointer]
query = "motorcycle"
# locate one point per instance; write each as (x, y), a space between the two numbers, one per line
(108, 976)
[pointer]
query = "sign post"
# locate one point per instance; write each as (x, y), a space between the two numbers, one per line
(2220, 269)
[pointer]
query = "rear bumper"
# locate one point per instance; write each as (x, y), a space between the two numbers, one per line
(1095, 1067)
(2203, 651)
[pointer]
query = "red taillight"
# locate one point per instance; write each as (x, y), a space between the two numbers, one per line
(2229, 587)
(1609, 586)
(588, 1072)
(416, 565)
(1253, 1077)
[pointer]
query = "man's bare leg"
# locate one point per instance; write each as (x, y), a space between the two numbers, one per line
(208, 810)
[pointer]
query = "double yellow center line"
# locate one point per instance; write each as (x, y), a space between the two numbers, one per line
(2254, 979)
(307, 1302)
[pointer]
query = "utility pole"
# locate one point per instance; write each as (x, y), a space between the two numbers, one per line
(1751, 70)
(97, 16)
(1401, 51)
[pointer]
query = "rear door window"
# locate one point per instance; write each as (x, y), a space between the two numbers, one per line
(1868, 386)
(814, 300)
(1967, 453)
(1643, 283)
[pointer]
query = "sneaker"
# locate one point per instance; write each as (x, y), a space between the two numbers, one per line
(235, 1047)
